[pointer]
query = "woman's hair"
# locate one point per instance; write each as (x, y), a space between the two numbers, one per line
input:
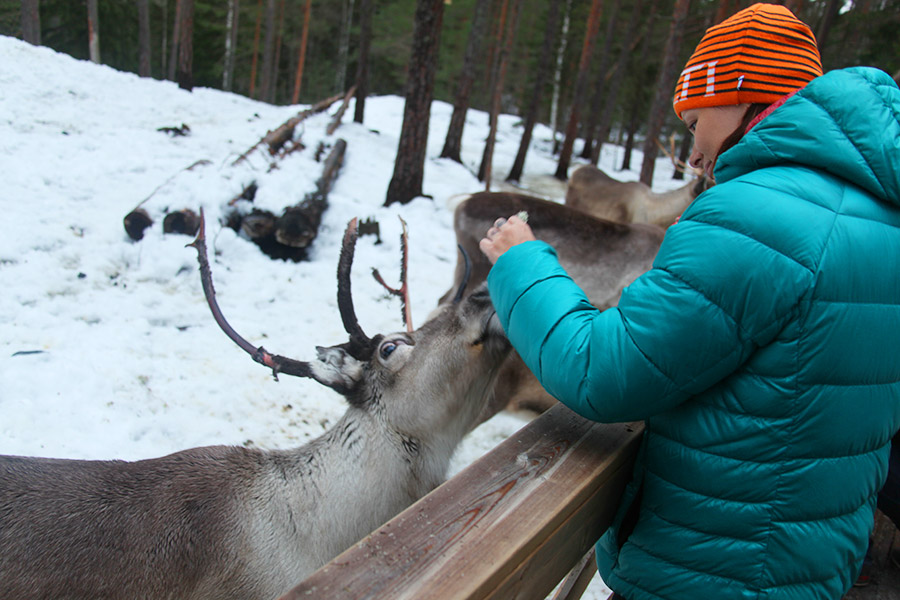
(753, 111)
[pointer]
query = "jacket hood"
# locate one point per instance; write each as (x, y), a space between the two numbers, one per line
(846, 122)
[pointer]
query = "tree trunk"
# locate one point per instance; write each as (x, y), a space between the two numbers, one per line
(723, 11)
(409, 167)
(831, 11)
(362, 66)
(176, 39)
(254, 62)
(665, 84)
(340, 77)
(543, 72)
(593, 116)
(304, 36)
(590, 37)
(474, 44)
(231, 26)
(164, 38)
(279, 40)
(185, 75)
(93, 31)
(618, 75)
(31, 22)
(268, 60)
(485, 171)
(557, 73)
(143, 7)
(629, 142)
(684, 151)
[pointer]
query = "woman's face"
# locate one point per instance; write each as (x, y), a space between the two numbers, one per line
(710, 126)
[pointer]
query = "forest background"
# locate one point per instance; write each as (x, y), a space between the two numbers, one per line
(608, 87)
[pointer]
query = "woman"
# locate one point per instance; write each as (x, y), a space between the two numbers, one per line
(761, 347)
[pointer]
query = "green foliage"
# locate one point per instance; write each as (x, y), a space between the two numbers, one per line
(864, 34)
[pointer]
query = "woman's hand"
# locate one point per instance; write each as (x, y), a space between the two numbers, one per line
(505, 234)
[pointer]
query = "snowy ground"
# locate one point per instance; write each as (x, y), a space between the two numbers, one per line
(107, 348)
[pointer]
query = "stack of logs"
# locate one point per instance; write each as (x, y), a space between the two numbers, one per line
(287, 236)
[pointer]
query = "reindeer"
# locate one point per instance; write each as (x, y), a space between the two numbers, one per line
(592, 191)
(231, 522)
(601, 256)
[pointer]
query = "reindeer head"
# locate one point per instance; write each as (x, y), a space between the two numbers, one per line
(447, 366)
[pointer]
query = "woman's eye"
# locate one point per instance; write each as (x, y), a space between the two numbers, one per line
(387, 349)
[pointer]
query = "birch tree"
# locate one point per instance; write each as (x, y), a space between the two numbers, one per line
(232, 21)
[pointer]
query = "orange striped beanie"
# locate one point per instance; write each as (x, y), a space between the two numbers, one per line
(759, 55)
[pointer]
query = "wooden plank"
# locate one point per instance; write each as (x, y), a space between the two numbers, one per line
(511, 525)
(576, 582)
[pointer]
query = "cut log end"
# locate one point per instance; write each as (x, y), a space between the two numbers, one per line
(183, 221)
(136, 222)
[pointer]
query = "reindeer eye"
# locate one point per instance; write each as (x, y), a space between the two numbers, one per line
(387, 349)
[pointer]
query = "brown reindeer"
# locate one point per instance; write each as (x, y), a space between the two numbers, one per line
(592, 191)
(602, 256)
(236, 523)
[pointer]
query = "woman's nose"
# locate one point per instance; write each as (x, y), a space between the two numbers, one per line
(695, 158)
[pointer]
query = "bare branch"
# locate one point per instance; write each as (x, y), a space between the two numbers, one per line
(276, 138)
(336, 121)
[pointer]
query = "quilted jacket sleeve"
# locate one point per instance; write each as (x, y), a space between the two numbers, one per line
(715, 293)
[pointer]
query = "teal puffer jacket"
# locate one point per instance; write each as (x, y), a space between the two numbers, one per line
(761, 350)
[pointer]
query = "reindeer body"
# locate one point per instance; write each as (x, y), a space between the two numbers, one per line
(593, 192)
(214, 522)
(225, 522)
(602, 256)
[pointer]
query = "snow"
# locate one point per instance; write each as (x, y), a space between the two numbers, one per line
(107, 347)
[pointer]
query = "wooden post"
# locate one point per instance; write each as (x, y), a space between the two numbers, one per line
(511, 525)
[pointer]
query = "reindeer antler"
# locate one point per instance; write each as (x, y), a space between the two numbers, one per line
(465, 278)
(278, 364)
(360, 344)
(403, 290)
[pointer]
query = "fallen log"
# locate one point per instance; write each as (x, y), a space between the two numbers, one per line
(336, 120)
(289, 236)
(299, 224)
(138, 219)
(183, 221)
(278, 137)
(136, 222)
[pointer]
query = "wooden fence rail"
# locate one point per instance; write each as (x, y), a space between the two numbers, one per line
(511, 525)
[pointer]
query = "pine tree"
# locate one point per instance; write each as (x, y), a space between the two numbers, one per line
(362, 66)
(31, 21)
(587, 49)
(543, 72)
(665, 83)
(474, 43)
(409, 167)
(143, 7)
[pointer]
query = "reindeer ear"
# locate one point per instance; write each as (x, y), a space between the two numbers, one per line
(337, 369)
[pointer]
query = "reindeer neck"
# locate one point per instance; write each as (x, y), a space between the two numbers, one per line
(663, 208)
